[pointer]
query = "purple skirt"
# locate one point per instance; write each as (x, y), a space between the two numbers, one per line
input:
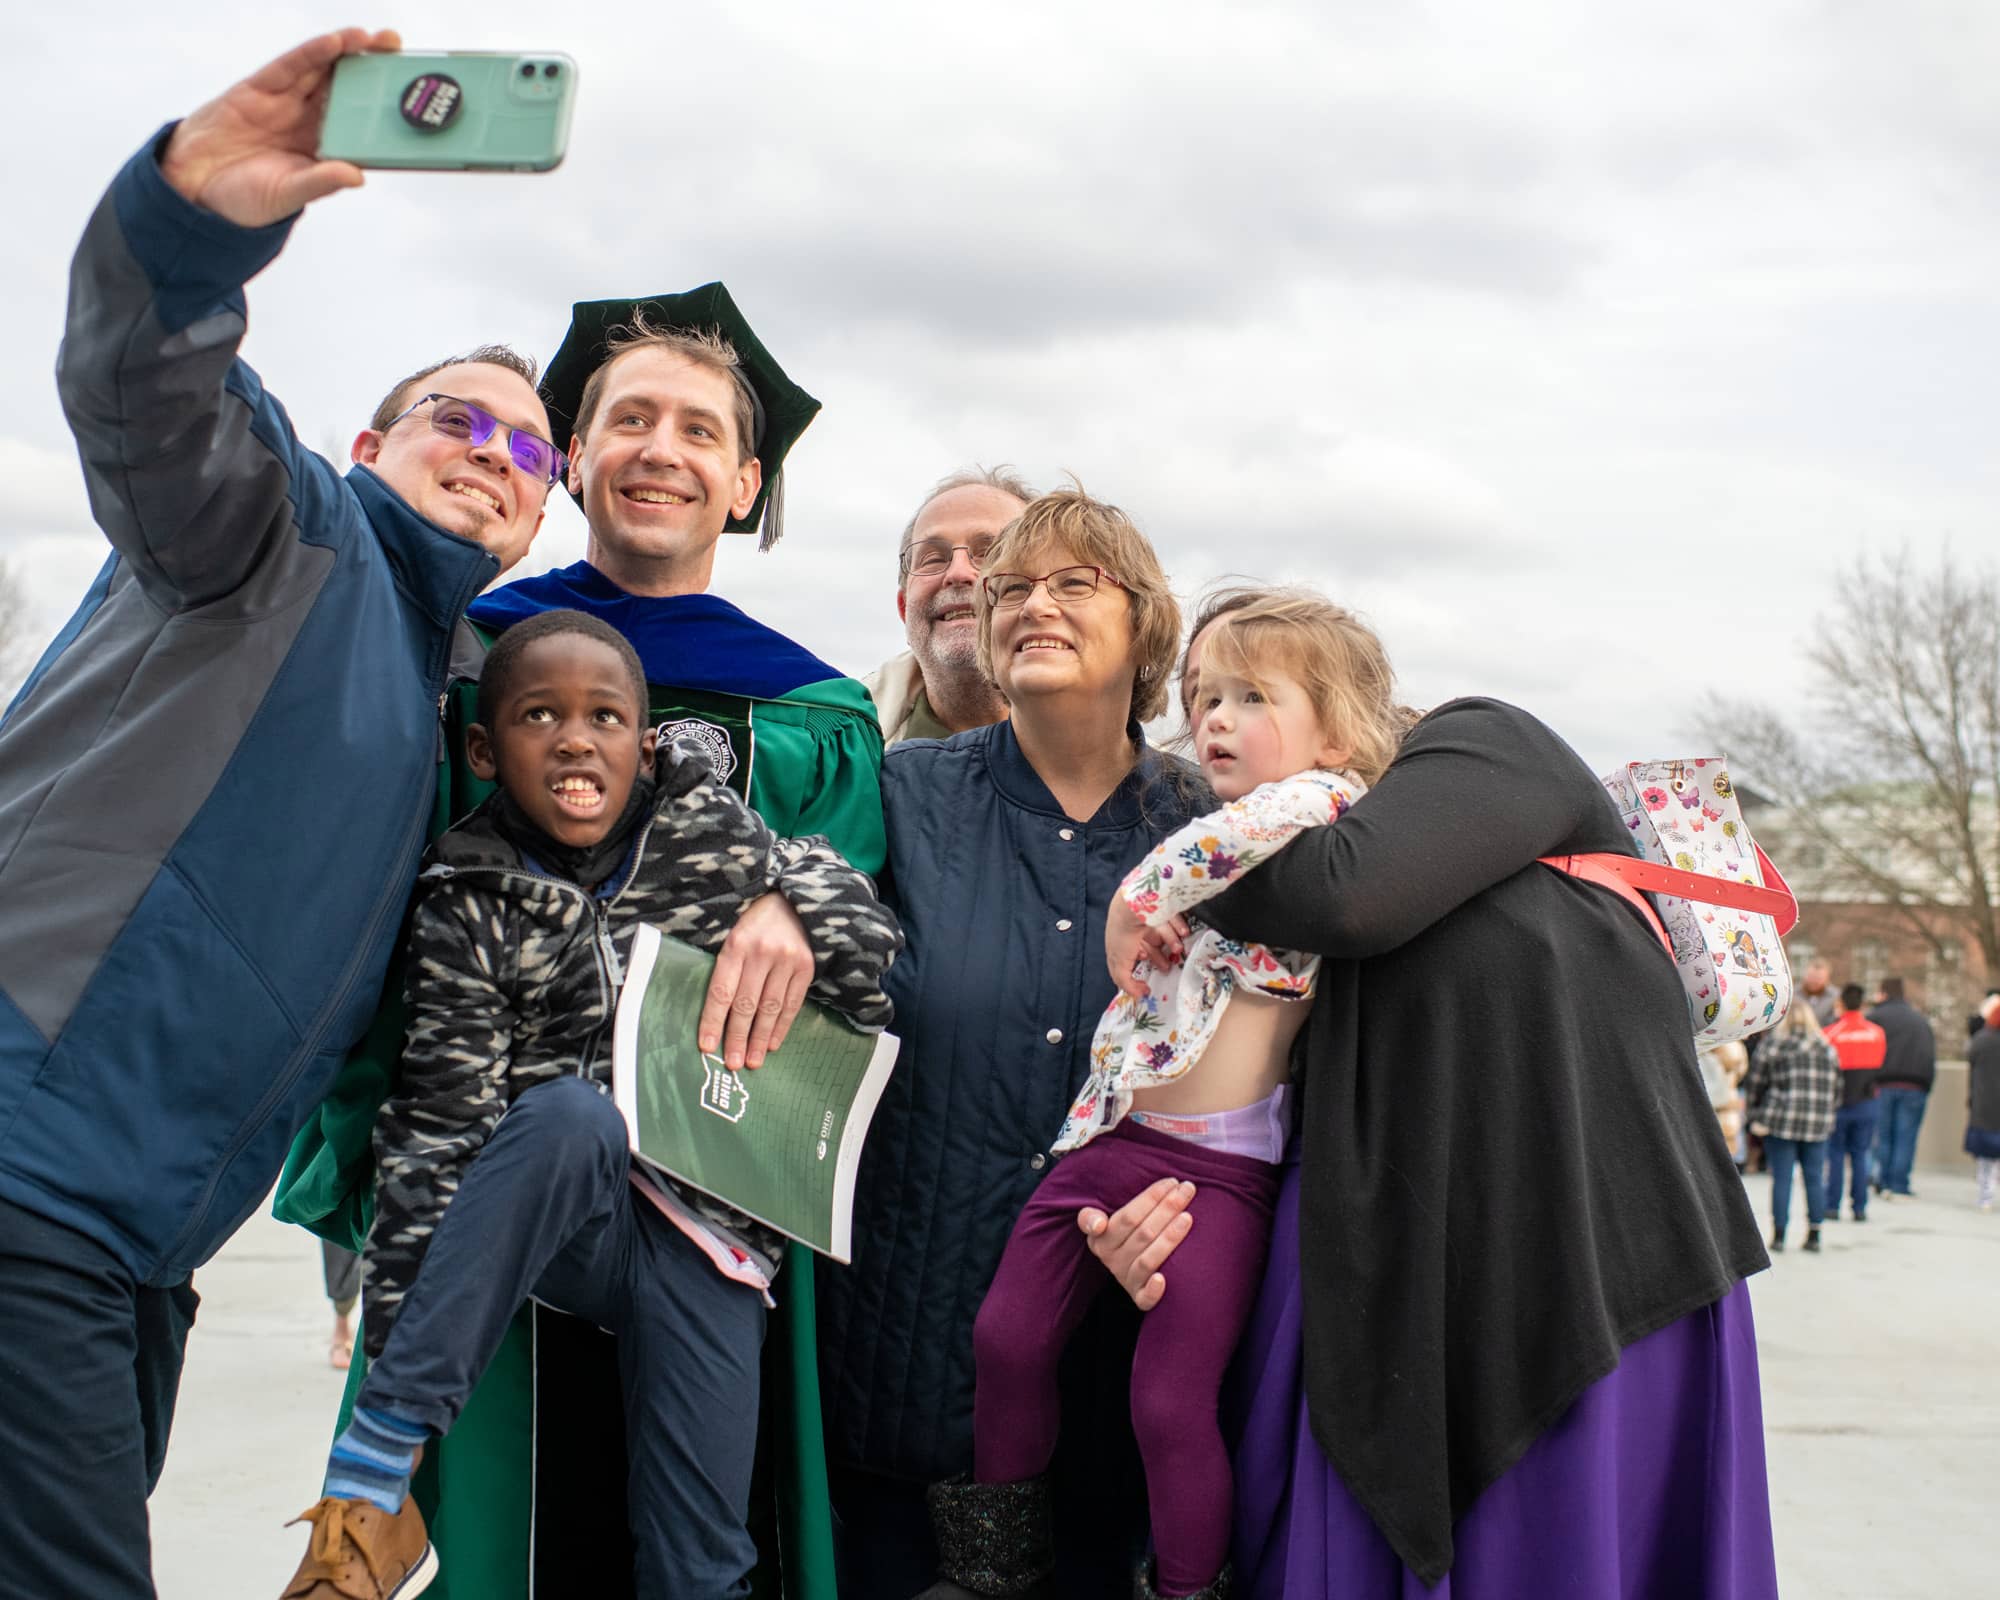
(1651, 1487)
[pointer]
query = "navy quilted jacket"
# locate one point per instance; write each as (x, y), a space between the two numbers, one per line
(1003, 900)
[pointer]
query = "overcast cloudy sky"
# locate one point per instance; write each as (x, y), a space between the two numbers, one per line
(1576, 347)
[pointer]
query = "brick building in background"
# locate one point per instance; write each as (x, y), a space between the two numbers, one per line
(1935, 948)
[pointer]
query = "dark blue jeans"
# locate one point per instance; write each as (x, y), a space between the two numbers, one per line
(548, 1210)
(1786, 1156)
(1896, 1135)
(1853, 1140)
(90, 1367)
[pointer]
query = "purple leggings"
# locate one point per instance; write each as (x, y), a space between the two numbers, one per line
(1046, 1282)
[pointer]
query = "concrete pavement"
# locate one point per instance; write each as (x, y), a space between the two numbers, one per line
(1881, 1367)
(1881, 1371)
(255, 1417)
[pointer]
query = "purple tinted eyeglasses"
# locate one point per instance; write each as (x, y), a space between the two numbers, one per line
(470, 424)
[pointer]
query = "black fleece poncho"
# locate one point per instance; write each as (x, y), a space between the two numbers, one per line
(1510, 1170)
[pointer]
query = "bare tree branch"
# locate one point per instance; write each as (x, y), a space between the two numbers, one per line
(1892, 774)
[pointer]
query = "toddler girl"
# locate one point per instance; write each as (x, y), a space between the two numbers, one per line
(1291, 715)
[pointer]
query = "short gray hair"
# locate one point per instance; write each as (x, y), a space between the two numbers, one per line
(485, 355)
(1003, 477)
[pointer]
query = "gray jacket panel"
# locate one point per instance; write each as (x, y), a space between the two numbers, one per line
(151, 698)
(214, 787)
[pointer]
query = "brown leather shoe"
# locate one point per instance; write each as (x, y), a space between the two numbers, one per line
(360, 1552)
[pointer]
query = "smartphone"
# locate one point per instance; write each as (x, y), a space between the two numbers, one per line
(459, 111)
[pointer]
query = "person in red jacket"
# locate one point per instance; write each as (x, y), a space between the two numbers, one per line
(1862, 1047)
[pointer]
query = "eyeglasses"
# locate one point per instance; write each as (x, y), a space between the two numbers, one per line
(1067, 586)
(470, 424)
(928, 558)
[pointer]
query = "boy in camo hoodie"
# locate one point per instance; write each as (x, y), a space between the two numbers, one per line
(502, 1164)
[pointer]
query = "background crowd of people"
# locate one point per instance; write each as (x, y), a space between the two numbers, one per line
(1836, 1094)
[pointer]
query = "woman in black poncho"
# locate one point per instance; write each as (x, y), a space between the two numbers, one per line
(1503, 1345)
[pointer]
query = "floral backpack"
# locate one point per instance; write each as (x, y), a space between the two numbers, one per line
(1718, 905)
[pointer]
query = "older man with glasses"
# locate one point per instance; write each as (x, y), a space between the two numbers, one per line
(213, 793)
(937, 687)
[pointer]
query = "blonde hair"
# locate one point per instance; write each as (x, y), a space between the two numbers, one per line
(1800, 1022)
(1216, 603)
(1094, 533)
(1328, 651)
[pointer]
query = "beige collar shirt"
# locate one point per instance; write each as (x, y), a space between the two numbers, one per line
(901, 705)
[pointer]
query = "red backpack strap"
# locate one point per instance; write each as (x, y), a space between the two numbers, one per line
(1628, 874)
(1787, 918)
(1591, 869)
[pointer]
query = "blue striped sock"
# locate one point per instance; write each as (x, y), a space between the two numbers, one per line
(373, 1459)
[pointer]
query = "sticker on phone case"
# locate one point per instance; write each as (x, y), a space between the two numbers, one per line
(431, 101)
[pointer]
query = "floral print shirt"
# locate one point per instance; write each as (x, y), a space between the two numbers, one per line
(1143, 1042)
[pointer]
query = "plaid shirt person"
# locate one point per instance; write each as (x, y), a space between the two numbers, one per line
(1793, 1089)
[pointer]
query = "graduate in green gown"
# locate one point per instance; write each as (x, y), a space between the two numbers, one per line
(679, 421)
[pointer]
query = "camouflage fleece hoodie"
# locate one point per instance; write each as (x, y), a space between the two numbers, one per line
(513, 980)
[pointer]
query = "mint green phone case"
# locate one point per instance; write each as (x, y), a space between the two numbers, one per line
(462, 111)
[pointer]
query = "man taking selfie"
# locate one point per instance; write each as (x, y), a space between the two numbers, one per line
(213, 793)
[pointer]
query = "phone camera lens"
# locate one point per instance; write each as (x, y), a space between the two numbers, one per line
(550, 70)
(527, 69)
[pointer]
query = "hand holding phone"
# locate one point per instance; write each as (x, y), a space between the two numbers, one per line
(251, 154)
(461, 111)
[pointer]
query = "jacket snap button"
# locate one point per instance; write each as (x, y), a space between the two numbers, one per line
(1062, 925)
(1038, 1161)
(1066, 833)
(1054, 1036)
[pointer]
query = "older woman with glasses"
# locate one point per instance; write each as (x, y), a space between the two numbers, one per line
(1006, 844)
